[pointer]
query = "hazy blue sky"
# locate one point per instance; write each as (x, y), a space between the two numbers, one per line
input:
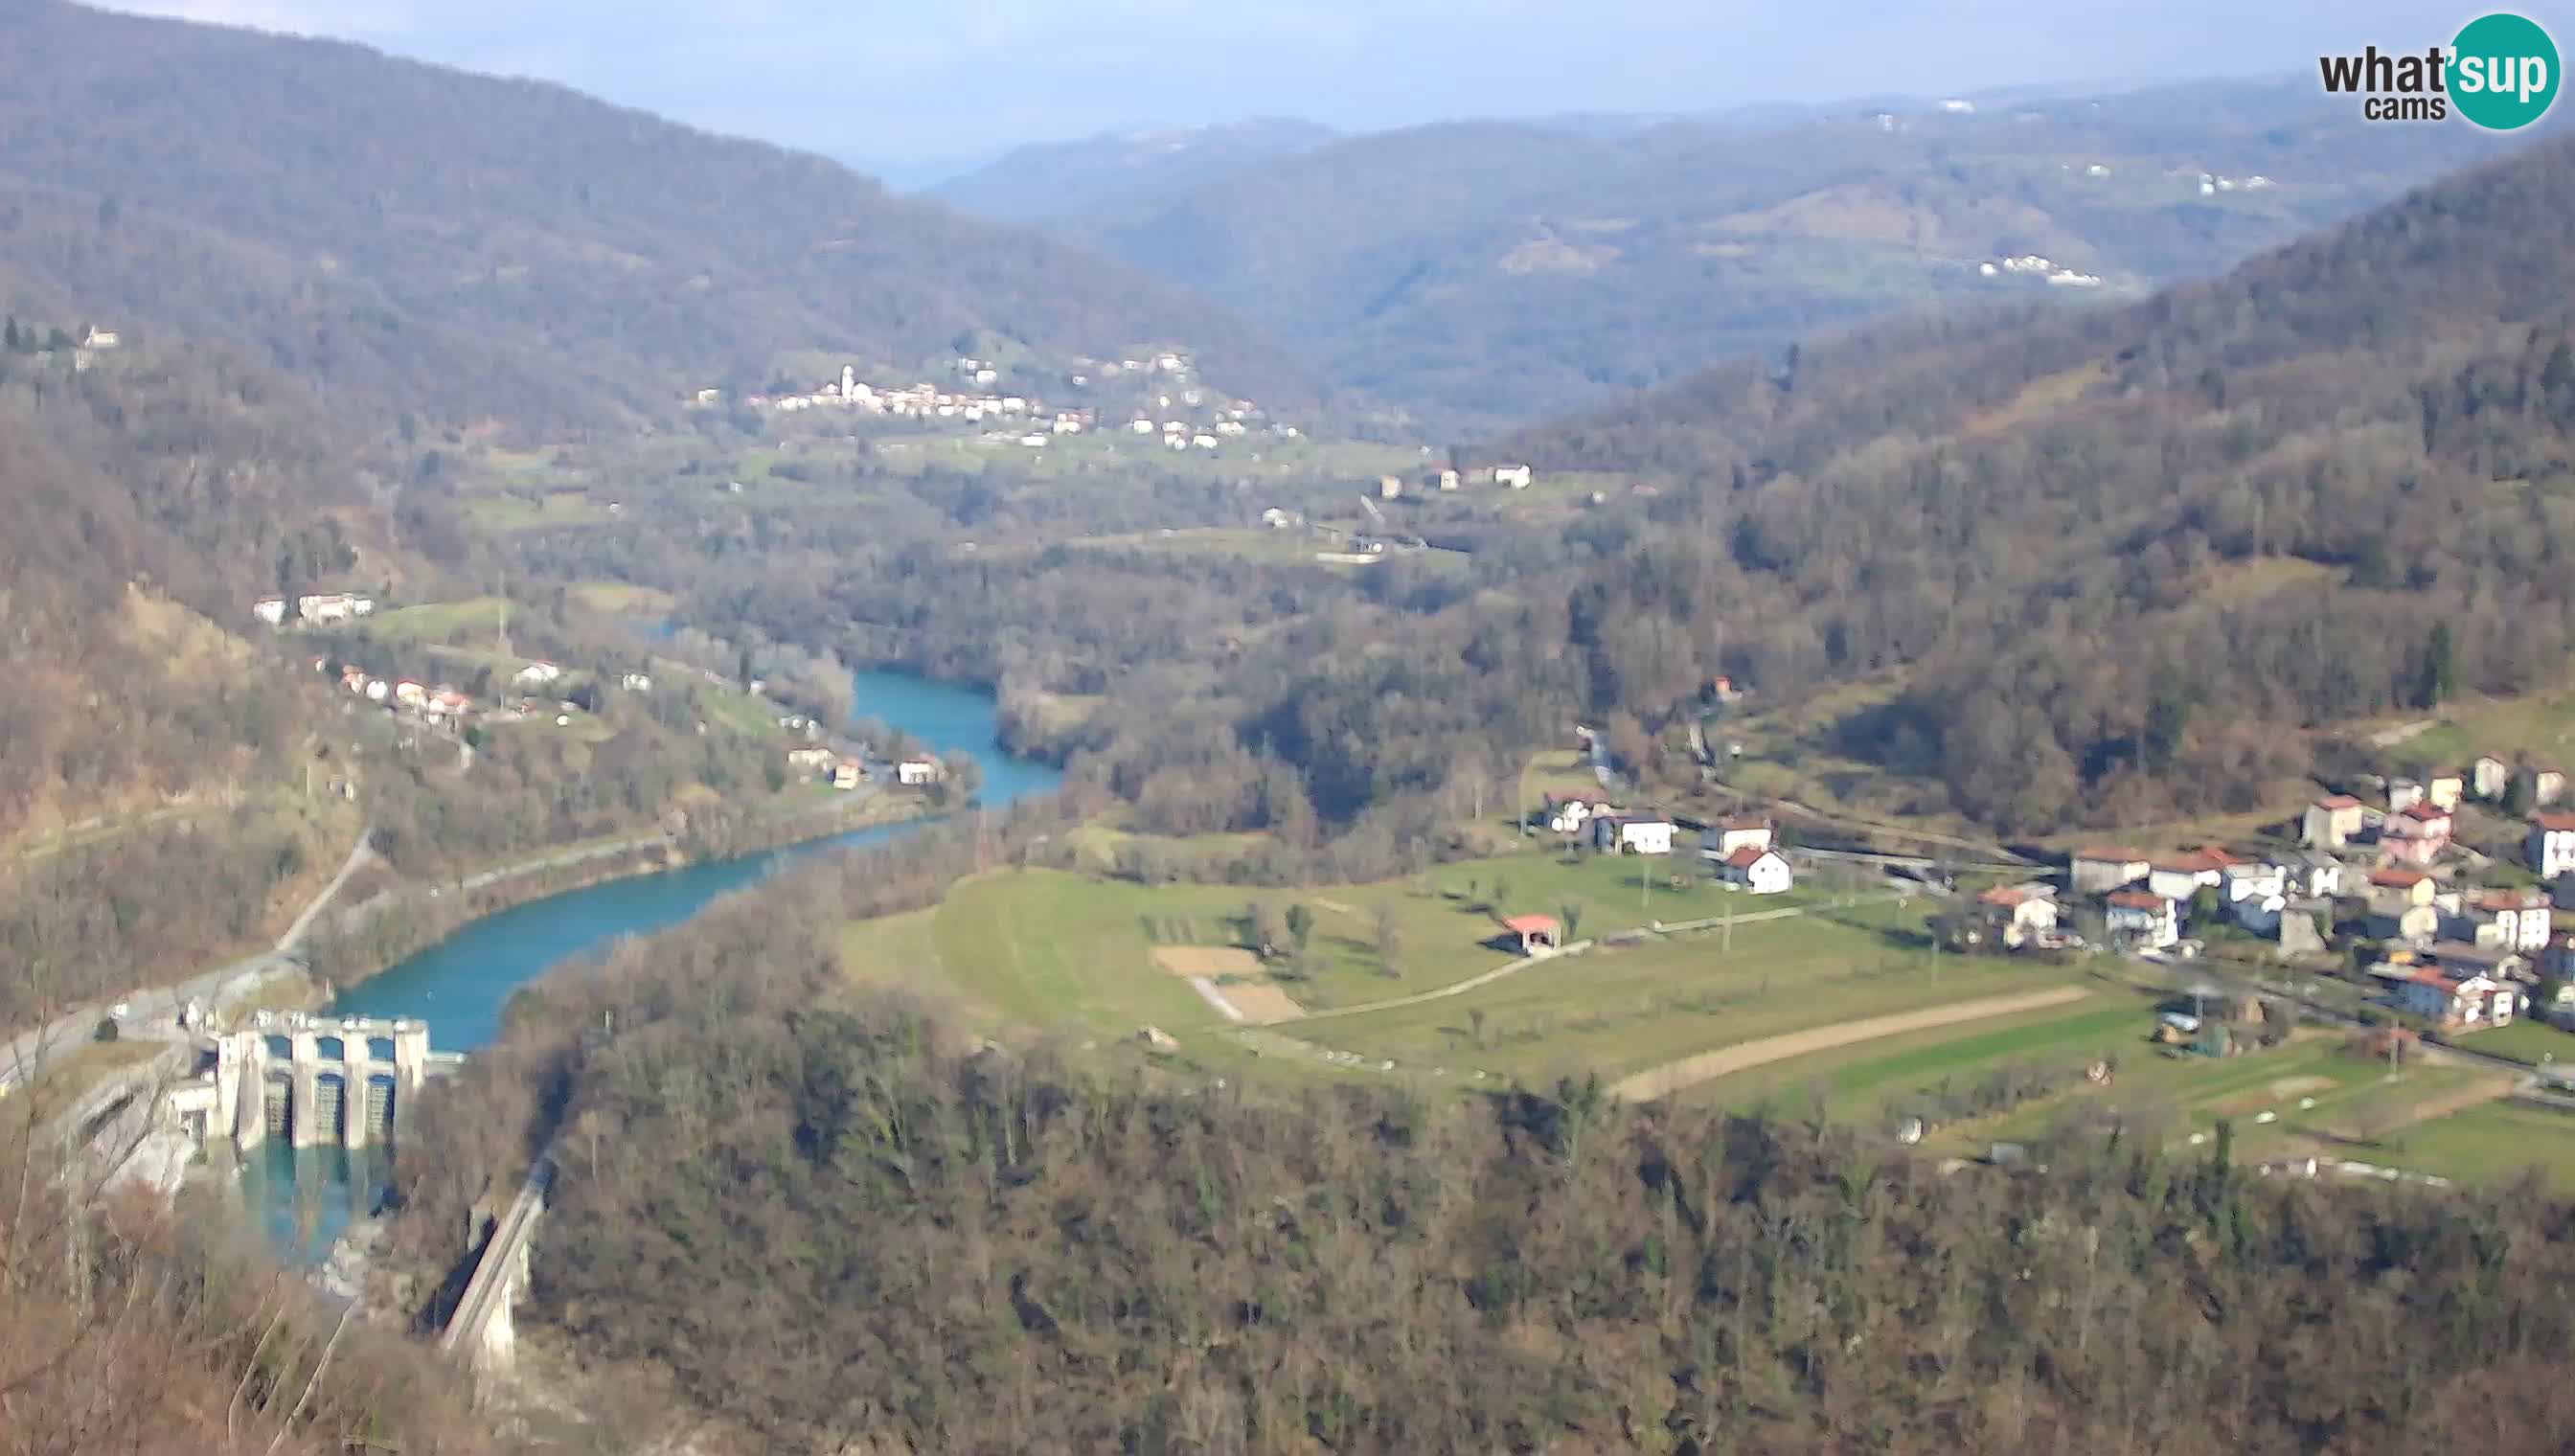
(916, 80)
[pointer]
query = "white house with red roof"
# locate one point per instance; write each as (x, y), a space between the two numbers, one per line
(2018, 913)
(1759, 869)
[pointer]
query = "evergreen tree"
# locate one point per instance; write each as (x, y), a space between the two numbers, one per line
(2440, 668)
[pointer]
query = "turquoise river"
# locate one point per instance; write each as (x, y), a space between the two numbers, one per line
(306, 1199)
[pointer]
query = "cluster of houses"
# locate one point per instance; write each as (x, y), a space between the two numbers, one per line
(442, 705)
(849, 769)
(1442, 478)
(1740, 852)
(1033, 423)
(2457, 954)
(314, 609)
(2032, 265)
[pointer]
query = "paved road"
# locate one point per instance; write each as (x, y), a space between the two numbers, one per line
(154, 1013)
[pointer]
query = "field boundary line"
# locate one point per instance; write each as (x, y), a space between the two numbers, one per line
(1707, 1066)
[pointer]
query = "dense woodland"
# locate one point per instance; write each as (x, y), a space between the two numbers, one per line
(839, 1226)
(2115, 561)
(464, 246)
(127, 1326)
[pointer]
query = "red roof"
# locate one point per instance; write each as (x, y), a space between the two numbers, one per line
(1532, 925)
(2555, 823)
(2196, 862)
(2425, 810)
(2338, 801)
(2139, 899)
(2509, 899)
(2398, 879)
(2006, 895)
(1747, 856)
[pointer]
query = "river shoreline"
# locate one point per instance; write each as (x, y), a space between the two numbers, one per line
(417, 918)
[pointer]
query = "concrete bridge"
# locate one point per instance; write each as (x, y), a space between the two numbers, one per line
(315, 1081)
(481, 1327)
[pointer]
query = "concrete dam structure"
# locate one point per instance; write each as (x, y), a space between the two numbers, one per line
(315, 1081)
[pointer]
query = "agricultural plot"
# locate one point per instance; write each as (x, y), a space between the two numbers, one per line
(1054, 951)
(2492, 1142)
(436, 622)
(2311, 1095)
(2527, 1042)
(1909, 1072)
(1618, 1011)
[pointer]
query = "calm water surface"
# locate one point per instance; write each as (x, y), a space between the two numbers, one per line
(461, 984)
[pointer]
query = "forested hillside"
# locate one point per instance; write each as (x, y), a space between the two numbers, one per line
(2115, 559)
(1480, 273)
(845, 1227)
(463, 244)
(150, 496)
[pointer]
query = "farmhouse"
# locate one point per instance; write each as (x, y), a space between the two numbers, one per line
(2417, 836)
(2499, 964)
(2445, 789)
(1571, 814)
(2097, 870)
(536, 675)
(1736, 831)
(914, 772)
(2180, 877)
(271, 609)
(2314, 875)
(2331, 824)
(2467, 1005)
(2395, 890)
(2540, 788)
(2551, 844)
(2142, 917)
(2018, 913)
(2255, 882)
(1516, 477)
(2489, 776)
(1760, 870)
(332, 606)
(2403, 793)
(846, 774)
(1633, 834)
(2508, 919)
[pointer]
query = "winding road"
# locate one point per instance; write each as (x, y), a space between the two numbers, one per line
(29, 1052)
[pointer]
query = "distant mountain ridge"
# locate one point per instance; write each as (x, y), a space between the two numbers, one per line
(1489, 272)
(477, 246)
(2109, 567)
(1052, 178)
